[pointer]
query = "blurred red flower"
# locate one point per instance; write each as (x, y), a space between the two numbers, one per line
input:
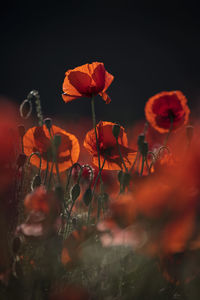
(43, 209)
(38, 139)
(86, 81)
(167, 108)
(108, 147)
(41, 200)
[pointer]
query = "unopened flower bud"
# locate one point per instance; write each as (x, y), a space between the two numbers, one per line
(33, 95)
(144, 149)
(48, 123)
(116, 130)
(36, 182)
(75, 192)
(87, 197)
(140, 140)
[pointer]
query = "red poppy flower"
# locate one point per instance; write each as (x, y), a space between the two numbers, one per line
(108, 147)
(86, 81)
(167, 108)
(41, 201)
(37, 139)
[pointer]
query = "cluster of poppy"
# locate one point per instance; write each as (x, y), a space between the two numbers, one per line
(153, 204)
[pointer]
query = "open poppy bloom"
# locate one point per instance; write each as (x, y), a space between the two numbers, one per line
(108, 148)
(86, 81)
(167, 111)
(37, 139)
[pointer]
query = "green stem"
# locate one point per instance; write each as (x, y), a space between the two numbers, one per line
(57, 170)
(142, 167)
(46, 172)
(120, 154)
(50, 176)
(95, 183)
(95, 129)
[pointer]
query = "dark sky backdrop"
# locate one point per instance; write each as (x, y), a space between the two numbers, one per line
(148, 47)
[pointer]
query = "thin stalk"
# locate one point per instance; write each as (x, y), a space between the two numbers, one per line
(133, 165)
(95, 129)
(120, 154)
(46, 172)
(142, 167)
(50, 176)
(93, 192)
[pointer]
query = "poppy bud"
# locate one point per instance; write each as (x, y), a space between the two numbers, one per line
(142, 145)
(36, 182)
(87, 197)
(120, 175)
(21, 130)
(126, 179)
(21, 160)
(189, 132)
(48, 123)
(75, 192)
(33, 95)
(57, 140)
(140, 140)
(116, 130)
(25, 109)
(144, 150)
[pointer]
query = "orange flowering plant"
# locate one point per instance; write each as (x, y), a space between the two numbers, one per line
(167, 111)
(39, 139)
(87, 81)
(94, 211)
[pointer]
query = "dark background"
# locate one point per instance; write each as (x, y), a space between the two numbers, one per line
(148, 47)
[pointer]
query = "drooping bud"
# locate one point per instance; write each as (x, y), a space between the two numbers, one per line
(126, 179)
(33, 95)
(140, 141)
(48, 123)
(36, 182)
(142, 145)
(87, 197)
(144, 150)
(120, 175)
(75, 192)
(116, 130)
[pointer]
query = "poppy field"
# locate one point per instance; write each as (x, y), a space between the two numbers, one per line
(112, 212)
